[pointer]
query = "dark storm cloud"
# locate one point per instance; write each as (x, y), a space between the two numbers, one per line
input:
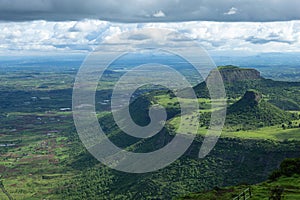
(150, 11)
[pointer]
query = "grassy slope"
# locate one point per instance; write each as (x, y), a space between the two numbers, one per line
(285, 95)
(275, 132)
(286, 179)
(250, 112)
(260, 191)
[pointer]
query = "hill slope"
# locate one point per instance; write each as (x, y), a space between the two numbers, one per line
(285, 95)
(253, 111)
(288, 181)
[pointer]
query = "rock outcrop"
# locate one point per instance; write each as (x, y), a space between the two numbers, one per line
(232, 74)
(252, 96)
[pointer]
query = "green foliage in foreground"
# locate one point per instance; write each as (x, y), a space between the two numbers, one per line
(285, 180)
(287, 168)
(262, 191)
(233, 161)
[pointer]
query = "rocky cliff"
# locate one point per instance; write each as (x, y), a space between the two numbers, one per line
(232, 74)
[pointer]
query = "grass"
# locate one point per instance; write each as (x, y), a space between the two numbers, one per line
(33, 168)
(272, 133)
(265, 133)
(33, 187)
(260, 191)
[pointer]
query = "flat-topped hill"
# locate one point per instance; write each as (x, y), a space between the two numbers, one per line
(285, 95)
(232, 74)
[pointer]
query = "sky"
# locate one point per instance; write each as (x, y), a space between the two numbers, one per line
(74, 26)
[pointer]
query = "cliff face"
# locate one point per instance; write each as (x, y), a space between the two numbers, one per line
(251, 100)
(252, 96)
(231, 74)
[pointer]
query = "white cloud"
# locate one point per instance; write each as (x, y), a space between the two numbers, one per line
(159, 14)
(232, 11)
(86, 35)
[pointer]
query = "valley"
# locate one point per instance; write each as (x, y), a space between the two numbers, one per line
(42, 157)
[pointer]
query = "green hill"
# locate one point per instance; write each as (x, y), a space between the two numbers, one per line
(232, 161)
(47, 160)
(253, 111)
(285, 95)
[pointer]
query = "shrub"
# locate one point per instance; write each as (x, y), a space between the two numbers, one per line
(288, 167)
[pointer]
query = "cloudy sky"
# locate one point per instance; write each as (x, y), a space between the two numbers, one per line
(69, 26)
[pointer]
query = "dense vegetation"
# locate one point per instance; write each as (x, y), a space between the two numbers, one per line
(252, 111)
(283, 183)
(284, 95)
(43, 158)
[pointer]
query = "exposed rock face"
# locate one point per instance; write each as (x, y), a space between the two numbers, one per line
(250, 100)
(231, 74)
(252, 96)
